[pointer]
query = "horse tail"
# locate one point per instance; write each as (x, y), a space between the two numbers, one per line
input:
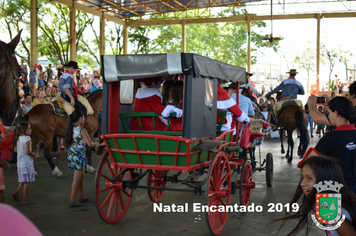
(303, 131)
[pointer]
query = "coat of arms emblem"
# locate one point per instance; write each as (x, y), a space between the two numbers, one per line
(328, 206)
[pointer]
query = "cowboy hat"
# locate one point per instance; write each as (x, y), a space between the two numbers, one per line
(232, 85)
(73, 64)
(292, 71)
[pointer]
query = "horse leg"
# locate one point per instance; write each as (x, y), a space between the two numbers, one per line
(281, 138)
(88, 152)
(89, 166)
(291, 144)
(299, 148)
(47, 153)
(251, 150)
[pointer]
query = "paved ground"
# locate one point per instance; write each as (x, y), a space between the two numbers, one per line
(52, 215)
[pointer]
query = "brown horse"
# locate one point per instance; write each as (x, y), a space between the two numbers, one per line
(9, 75)
(45, 124)
(294, 117)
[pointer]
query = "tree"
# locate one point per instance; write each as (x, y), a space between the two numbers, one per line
(331, 56)
(226, 42)
(306, 61)
(138, 37)
(15, 15)
(54, 39)
(114, 39)
(345, 56)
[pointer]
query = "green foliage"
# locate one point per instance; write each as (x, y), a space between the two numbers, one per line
(54, 38)
(138, 36)
(226, 42)
(331, 86)
(15, 15)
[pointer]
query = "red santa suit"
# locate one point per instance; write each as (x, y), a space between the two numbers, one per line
(226, 103)
(175, 123)
(149, 100)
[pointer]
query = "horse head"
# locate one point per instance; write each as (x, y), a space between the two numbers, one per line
(9, 77)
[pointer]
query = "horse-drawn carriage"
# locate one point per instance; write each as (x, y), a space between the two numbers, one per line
(201, 156)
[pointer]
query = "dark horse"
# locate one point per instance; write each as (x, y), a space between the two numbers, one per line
(45, 124)
(9, 75)
(290, 118)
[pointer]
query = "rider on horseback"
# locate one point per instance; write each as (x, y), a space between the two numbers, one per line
(68, 88)
(290, 90)
(290, 87)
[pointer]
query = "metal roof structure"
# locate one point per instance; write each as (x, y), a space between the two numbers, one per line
(141, 9)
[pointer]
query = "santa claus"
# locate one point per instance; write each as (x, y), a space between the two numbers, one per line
(226, 103)
(149, 99)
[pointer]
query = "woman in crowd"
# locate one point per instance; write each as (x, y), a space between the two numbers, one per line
(340, 144)
(33, 80)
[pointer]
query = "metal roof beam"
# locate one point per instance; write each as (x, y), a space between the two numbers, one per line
(96, 12)
(241, 18)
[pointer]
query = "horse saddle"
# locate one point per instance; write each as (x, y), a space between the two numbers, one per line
(279, 106)
(63, 108)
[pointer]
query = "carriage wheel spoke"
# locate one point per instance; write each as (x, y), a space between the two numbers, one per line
(109, 167)
(110, 205)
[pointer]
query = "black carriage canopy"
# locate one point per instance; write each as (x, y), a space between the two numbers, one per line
(199, 118)
(122, 67)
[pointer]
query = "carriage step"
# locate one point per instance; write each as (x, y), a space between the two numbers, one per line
(208, 145)
(234, 148)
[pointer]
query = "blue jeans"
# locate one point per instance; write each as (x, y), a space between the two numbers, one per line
(310, 124)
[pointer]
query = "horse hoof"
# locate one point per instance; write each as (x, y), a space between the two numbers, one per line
(282, 151)
(287, 156)
(290, 160)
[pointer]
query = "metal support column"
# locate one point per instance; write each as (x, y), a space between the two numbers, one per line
(33, 29)
(248, 22)
(72, 32)
(125, 34)
(184, 36)
(102, 34)
(318, 17)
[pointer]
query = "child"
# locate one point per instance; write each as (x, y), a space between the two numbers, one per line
(314, 170)
(76, 139)
(265, 113)
(25, 157)
(2, 162)
(320, 127)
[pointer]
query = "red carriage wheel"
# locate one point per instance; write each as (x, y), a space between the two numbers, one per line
(155, 179)
(218, 192)
(245, 183)
(112, 197)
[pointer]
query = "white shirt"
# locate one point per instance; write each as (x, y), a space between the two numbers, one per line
(23, 159)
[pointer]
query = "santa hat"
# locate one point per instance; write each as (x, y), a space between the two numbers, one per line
(224, 100)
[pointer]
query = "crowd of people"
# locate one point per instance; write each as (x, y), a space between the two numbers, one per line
(36, 78)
